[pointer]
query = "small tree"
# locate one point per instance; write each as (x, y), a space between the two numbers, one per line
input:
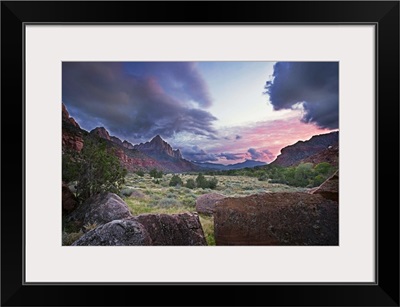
(70, 166)
(323, 168)
(212, 183)
(175, 180)
(99, 170)
(201, 181)
(190, 184)
(156, 174)
(140, 173)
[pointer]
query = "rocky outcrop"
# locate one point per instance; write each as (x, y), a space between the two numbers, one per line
(116, 140)
(68, 200)
(173, 229)
(101, 132)
(294, 154)
(72, 141)
(116, 233)
(330, 188)
(116, 226)
(72, 137)
(277, 219)
(329, 155)
(100, 209)
(67, 118)
(134, 160)
(205, 203)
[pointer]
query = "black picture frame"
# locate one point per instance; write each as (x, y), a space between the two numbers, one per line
(383, 14)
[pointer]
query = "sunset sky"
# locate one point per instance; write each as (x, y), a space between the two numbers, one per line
(216, 112)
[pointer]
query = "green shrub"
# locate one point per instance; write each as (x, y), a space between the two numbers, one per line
(171, 195)
(155, 173)
(202, 182)
(212, 183)
(70, 166)
(96, 168)
(140, 173)
(175, 180)
(126, 192)
(323, 168)
(190, 183)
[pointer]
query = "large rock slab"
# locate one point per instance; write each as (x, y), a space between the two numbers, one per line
(173, 229)
(205, 203)
(100, 209)
(116, 233)
(68, 200)
(277, 219)
(329, 188)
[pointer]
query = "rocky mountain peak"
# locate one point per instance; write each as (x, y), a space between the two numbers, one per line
(127, 144)
(157, 138)
(159, 148)
(101, 132)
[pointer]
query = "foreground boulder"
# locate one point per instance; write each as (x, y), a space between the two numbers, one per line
(116, 233)
(68, 200)
(173, 229)
(329, 188)
(277, 219)
(205, 204)
(100, 209)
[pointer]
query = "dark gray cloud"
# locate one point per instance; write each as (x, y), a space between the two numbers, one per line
(195, 153)
(315, 85)
(136, 101)
(260, 154)
(231, 156)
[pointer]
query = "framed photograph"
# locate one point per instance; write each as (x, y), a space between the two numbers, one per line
(201, 151)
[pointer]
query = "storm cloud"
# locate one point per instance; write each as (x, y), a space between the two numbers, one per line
(136, 101)
(195, 153)
(314, 86)
(231, 156)
(260, 154)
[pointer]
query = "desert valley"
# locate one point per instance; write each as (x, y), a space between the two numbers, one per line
(160, 198)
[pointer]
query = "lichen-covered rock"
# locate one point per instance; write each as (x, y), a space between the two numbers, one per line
(205, 203)
(173, 229)
(329, 188)
(116, 233)
(100, 209)
(68, 200)
(276, 219)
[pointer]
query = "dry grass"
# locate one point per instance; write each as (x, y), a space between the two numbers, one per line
(144, 195)
(161, 198)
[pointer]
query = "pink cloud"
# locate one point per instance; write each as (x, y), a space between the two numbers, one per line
(264, 140)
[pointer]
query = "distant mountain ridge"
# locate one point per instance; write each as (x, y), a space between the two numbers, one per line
(158, 154)
(216, 166)
(316, 146)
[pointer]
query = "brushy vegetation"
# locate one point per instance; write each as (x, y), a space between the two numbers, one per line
(302, 175)
(156, 173)
(163, 198)
(175, 180)
(156, 192)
